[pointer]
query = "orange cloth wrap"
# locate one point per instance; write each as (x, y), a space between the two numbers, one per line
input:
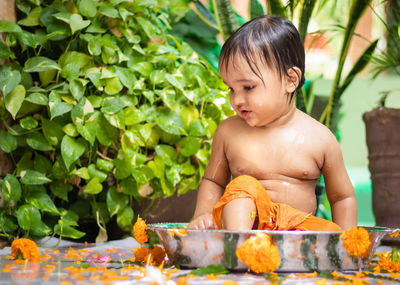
(271, 216)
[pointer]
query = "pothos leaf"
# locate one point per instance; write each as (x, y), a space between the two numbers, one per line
(71, 150)
(210, 269)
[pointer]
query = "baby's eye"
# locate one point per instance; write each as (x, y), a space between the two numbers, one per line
(248, 88)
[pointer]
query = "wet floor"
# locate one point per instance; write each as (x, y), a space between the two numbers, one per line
(109, 263)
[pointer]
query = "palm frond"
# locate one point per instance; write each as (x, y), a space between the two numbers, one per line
(361, 63)
(275, 7)
(357, 9)
(255, 9)
(226, 18)
(306, 9)
(205, 14)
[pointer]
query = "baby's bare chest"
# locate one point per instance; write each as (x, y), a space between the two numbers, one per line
(270, 158)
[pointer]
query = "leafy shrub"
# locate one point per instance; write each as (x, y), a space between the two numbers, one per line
(100, 107)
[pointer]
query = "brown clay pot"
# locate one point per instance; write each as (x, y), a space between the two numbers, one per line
(383, 142)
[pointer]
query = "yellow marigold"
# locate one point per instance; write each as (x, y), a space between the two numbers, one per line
(25, 248)
(141, 253)
(387, 261)
(139, 231)
(259, 254)
(158, 255)
(356, 241)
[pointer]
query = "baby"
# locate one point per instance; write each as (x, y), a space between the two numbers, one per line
(274, 153)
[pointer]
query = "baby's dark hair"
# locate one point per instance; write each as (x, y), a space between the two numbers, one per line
(271, 38)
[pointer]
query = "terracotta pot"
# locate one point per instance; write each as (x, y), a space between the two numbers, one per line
(383, 142)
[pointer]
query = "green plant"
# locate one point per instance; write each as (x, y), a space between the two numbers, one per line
(99, 108)
(331, 112)
(389, 59)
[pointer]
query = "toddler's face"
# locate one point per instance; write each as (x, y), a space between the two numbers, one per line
(258, 103)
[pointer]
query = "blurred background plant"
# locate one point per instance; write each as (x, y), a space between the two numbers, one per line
(100, 108)
(388, 59)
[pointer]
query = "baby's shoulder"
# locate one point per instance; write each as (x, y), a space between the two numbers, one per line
(314, 128)
(231, 123)
(312, 124)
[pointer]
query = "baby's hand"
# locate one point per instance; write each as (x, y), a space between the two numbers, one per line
(205, 221)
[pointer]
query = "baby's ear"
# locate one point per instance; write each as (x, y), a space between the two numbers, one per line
(293, 79)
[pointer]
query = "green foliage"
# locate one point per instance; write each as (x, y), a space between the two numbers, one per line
(330, 114)
(210, 269)
(389, 59)
(100, 108)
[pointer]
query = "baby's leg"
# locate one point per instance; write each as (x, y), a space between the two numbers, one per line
(239, 214)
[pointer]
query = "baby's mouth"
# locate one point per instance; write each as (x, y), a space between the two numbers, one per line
(244, 113)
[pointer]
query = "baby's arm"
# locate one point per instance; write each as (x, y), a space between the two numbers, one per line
(339, 190)
(216, 177)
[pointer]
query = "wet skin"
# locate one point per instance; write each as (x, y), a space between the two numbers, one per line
(271, 140)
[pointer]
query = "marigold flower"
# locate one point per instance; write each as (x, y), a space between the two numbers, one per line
(153, 256)
(388, 261)
(26, 249)
(259, 253)
(141, 253)
(158, 255)
(139, 231)
(356, 241)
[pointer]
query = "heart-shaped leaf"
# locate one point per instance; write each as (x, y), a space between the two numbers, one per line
(28, 217)
(115, 201)
(71, 150)
(33, 177)
(8, 142)
(13, 100)
(40, 63)
(11, 189)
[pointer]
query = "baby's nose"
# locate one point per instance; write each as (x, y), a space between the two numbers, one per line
(237, 100)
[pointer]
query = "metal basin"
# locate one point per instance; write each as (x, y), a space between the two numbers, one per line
(300, 251)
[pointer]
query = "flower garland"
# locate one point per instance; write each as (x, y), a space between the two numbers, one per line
(259, 253)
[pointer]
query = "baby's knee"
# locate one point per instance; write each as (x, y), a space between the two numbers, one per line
(239, 214)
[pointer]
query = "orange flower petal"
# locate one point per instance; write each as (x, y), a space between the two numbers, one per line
(25, 248)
